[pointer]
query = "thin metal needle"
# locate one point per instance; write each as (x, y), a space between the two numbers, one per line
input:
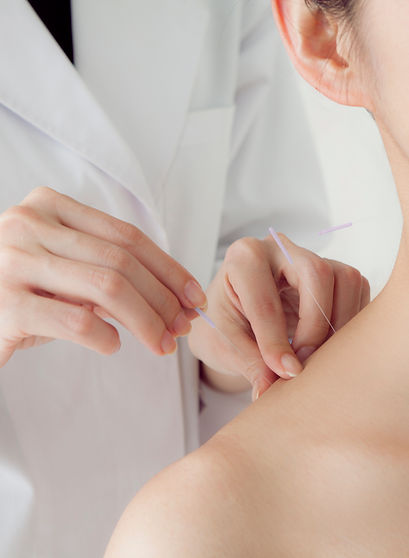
(213, 325)
(288, 257)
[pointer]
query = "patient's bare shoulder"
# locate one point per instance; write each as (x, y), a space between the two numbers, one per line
(200, 507)
(292, 497)
(317, 467)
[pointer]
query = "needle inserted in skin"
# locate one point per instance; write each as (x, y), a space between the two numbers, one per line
(289, 259)
(320, 307)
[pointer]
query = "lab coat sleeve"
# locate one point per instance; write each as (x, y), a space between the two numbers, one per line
(274, 176)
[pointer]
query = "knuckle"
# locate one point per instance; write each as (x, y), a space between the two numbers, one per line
(248, 249)
(287, 243)
(319, 269)
(9, 259)
(265, 310)
(352, 277)
(40, 196)
(45, 199)
(175, 273)
(19, 223)
(131, 235)
(17, 218)
(79, 321)
(117, 258)
(107, 281)
(284, 239)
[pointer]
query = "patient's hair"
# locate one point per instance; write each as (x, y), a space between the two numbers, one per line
(346, 12)
(338, 8)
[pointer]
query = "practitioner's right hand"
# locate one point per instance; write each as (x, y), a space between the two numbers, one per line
(259, 300)
(65, 266)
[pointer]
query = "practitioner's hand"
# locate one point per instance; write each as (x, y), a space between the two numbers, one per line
(259, 300)
(65, 266)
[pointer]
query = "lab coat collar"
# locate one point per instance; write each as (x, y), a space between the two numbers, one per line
(147, 64)
(39, 84)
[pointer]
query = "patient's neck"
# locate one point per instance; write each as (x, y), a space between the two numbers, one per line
(398, 285)
(371, 355)
(356, 386)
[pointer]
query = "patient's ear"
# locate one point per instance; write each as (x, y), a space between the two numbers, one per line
(320, 51)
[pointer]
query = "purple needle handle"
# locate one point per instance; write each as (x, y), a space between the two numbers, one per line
(337, 228)
(206, 317)
(287, 255)
(280, 245)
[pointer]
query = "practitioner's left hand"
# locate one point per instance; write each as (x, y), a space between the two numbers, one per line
(260, 301)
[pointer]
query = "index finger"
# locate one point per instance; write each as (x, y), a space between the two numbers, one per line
(316, 290)
(313, 277)
(255, 286)
(89, 220)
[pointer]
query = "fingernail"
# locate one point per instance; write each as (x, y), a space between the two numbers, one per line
(181, 325)
(195, 294)
(292, 367)
(168, 343)
(255, 394)
(304, 353)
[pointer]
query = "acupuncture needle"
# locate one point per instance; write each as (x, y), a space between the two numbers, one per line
(336, 228)
(214, 326)
(290, 260)
(225, 337)
(277, 239)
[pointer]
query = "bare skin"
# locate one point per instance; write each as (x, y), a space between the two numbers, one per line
(64, 267)
(318, 466)
(304, 471)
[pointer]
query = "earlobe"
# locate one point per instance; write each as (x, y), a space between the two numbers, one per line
(314, 44)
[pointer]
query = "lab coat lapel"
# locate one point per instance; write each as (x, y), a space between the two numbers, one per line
(156, 90)
(39, 84)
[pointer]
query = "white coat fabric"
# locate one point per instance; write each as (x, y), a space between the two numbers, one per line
(181, 117)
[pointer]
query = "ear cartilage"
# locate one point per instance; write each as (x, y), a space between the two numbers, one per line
(288, 257)
(337, 228)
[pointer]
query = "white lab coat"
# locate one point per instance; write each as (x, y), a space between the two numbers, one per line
(182, 117)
